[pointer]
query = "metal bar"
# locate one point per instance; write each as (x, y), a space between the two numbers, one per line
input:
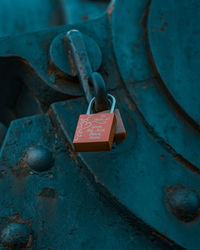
(80, 59)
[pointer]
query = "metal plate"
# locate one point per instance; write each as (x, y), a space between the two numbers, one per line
(174, 36)
(162, 118)
(129, 40)
(61, 206)
(137, 173)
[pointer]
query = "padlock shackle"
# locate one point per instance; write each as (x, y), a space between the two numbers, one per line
(100, 93)
(112, 107)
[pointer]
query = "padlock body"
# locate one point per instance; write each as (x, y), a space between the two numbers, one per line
(120, 132)
(95, 132)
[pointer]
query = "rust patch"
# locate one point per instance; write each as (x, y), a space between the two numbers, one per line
(72, 152)
(130, 105)
(24, 61)
(22, 171)
(17, 218)
(162, 236)
(144, 86)
(72, 64)
(52, 69)
(49, 193)
(110, 11)
(70, 58)
(84, 18)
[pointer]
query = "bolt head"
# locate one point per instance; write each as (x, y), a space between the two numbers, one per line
(39, 159)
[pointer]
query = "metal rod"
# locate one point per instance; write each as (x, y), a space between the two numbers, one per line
(81, 60)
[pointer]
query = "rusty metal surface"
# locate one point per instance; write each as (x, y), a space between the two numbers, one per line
(150, 180)
(25, 16)
(61, 208)
(174, 36)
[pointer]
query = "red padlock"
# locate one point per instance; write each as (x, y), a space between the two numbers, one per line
(95, 132)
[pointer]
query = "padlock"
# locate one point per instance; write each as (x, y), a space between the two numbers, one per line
(95, 132)
(120, 132)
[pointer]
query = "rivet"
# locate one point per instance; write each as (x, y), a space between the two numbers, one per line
(15, 235)
(183, 203)
(39, 159)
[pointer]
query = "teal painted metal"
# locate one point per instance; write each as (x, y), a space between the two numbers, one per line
(174, 37)
(145, 193)
(63, 207)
